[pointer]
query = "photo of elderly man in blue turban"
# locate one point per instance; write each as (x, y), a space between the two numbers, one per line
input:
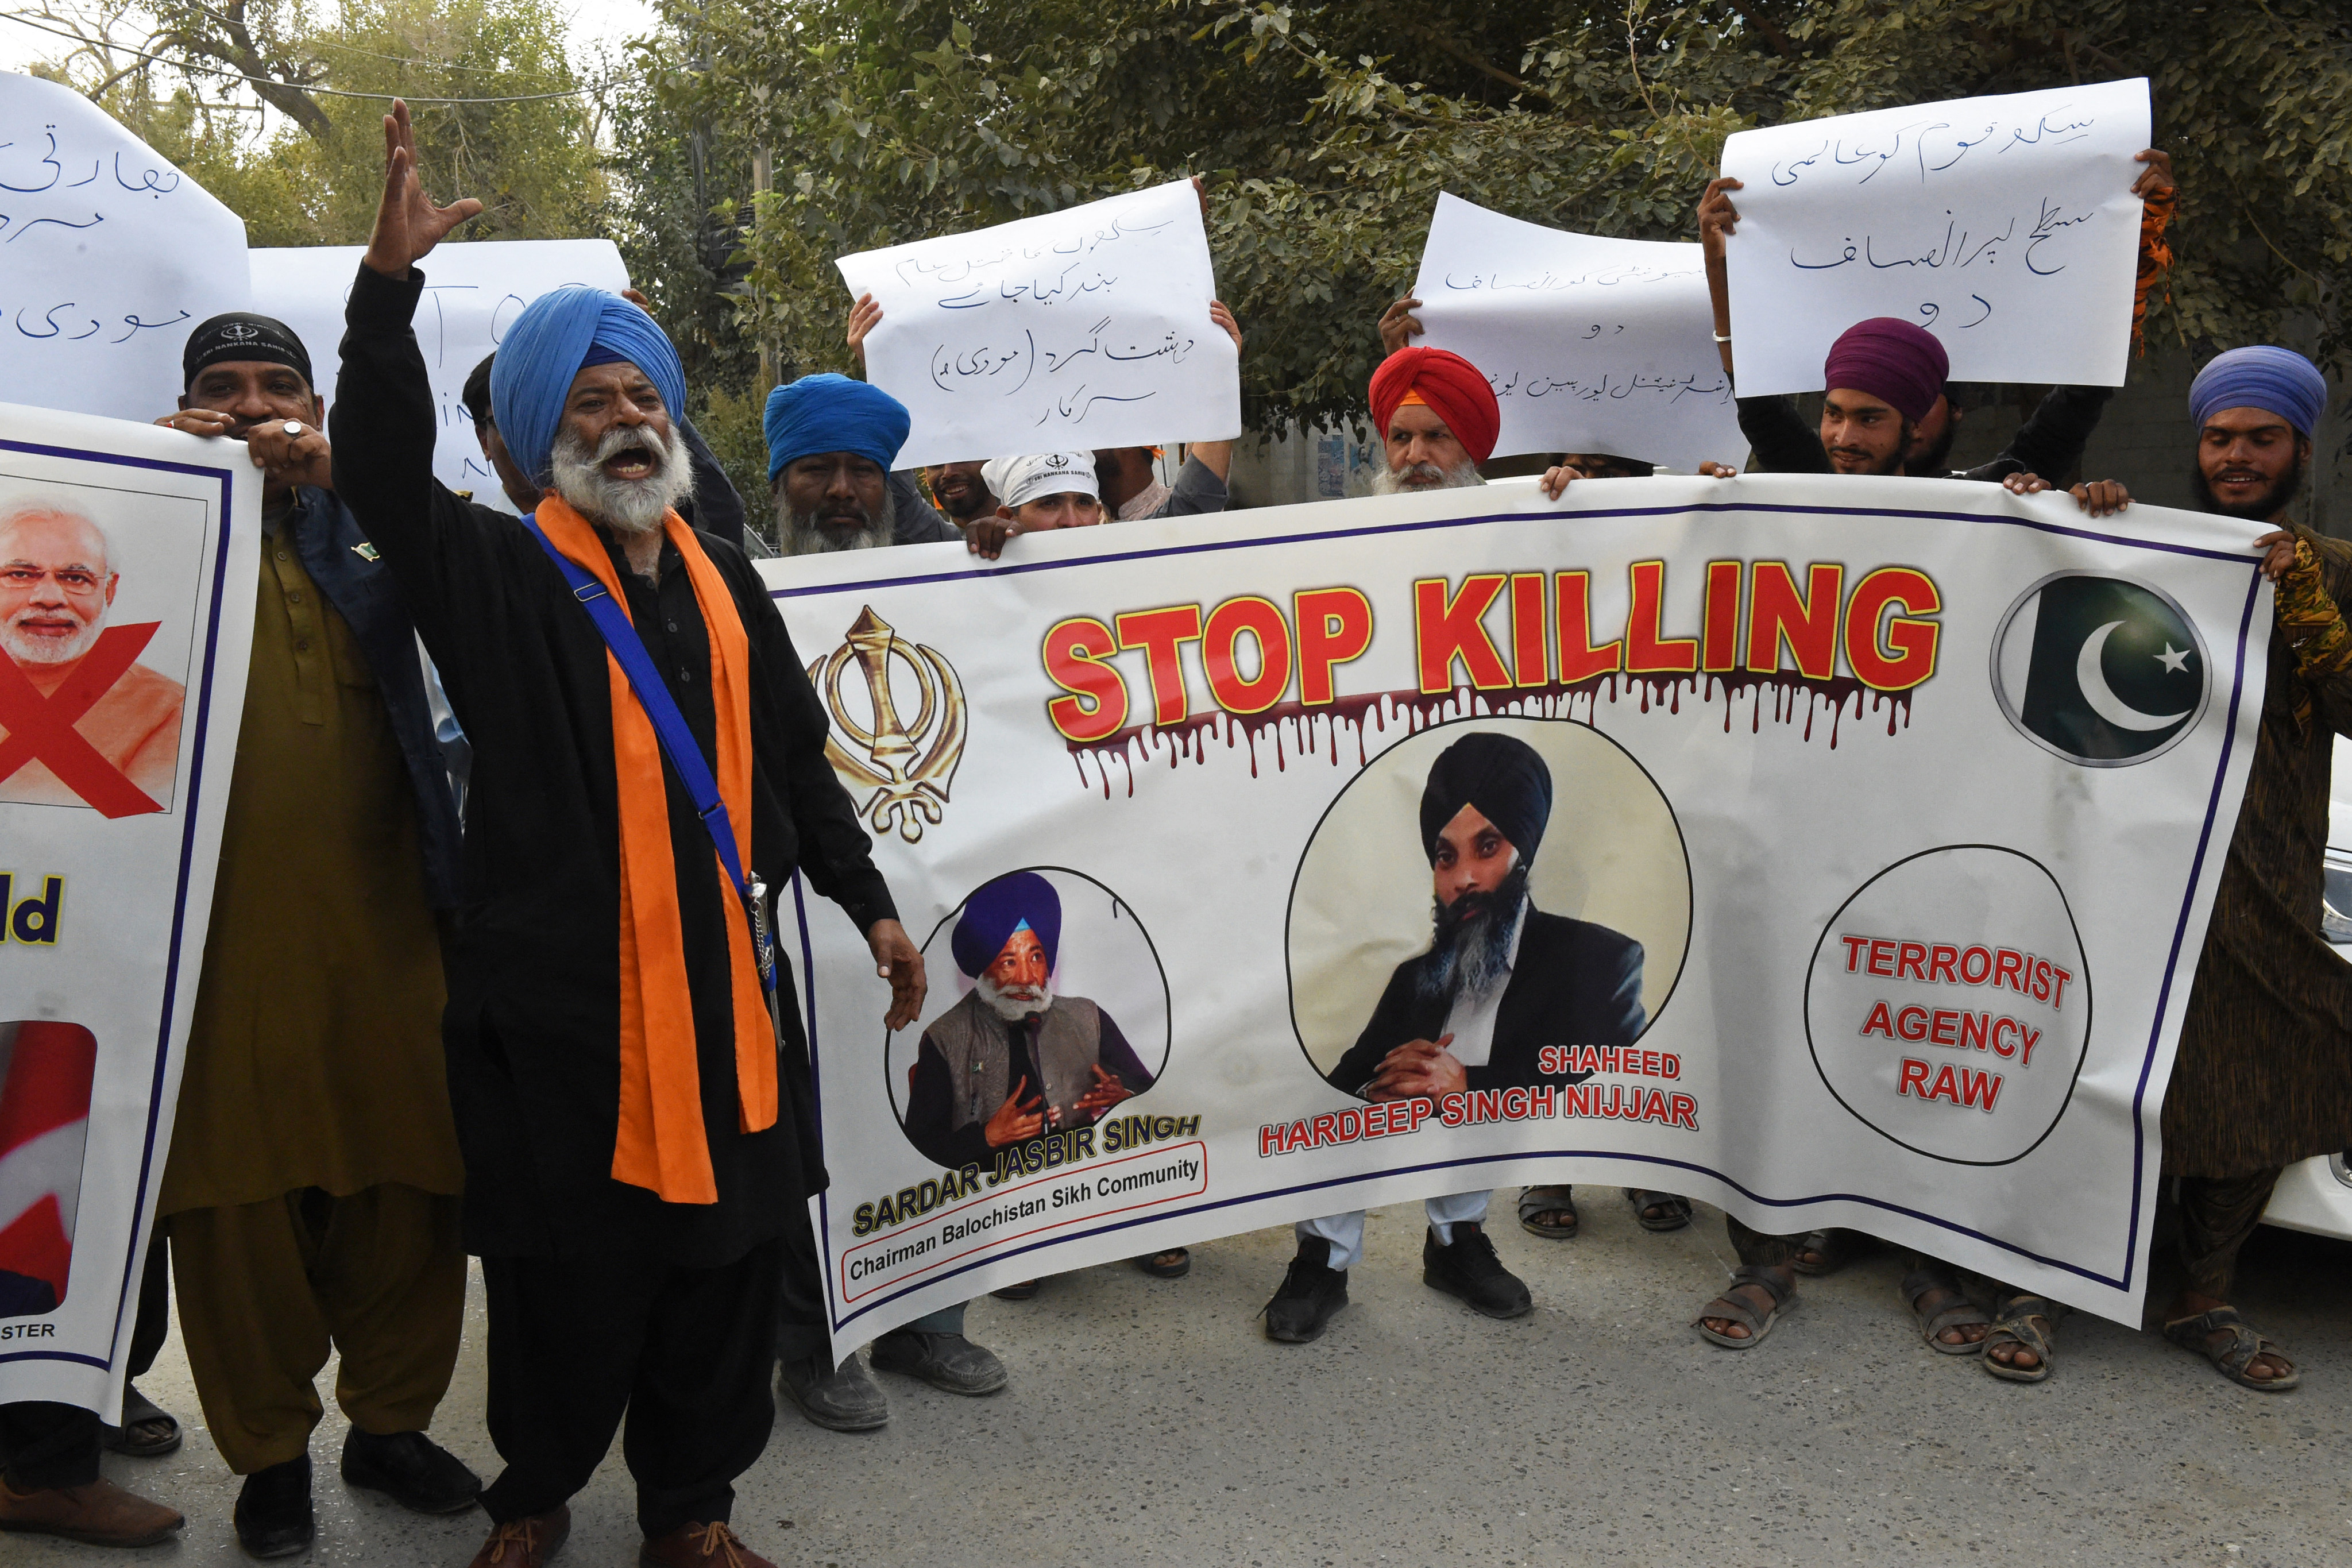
(1015, 1061)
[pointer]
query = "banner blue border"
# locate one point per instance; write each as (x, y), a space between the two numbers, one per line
(2163, 994)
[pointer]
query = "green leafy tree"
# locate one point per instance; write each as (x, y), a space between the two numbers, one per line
(1327, 130)
(525, 146)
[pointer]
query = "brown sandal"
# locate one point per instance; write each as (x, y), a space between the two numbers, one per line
(1731, 1306)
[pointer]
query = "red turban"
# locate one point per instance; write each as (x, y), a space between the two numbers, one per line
(1453, 388)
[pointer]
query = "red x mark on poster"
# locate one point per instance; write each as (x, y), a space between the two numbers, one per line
(41, 729)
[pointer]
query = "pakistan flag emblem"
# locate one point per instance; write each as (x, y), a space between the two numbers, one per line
(2104, 671)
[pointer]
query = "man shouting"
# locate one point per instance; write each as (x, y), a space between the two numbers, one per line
(637, 1126)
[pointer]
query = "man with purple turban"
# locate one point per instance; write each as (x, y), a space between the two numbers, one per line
(629, 1077)
(1888, 408)
(2263, 1075)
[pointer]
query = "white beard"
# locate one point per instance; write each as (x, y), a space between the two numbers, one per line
(1011, 1007)
(1388, 481)
(797, 533)
(26, 648)
(625, 506)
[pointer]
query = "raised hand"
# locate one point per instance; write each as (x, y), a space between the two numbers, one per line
(864, 317)
(1399, 325)
(1716, 215)
(2158, 177)
(407, 223)
(1224, 319)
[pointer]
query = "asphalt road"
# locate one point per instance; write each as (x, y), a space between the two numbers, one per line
(1151, 1421)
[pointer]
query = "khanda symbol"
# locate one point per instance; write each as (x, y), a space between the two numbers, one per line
(907, 766)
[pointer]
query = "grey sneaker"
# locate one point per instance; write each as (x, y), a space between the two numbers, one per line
(944, 1360)
(838, 1398)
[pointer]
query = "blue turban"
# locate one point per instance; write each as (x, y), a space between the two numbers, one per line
(2276, 381)
(560, 332)
(1000, 908)
(834, 414)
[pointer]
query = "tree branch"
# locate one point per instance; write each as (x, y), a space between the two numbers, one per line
(1444, 44)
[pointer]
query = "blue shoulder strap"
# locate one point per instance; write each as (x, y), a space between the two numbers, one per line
(670, 725)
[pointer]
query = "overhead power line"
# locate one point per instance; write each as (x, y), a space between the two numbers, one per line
(270, 82)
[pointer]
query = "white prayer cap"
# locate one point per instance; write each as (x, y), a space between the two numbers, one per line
(1012, 480)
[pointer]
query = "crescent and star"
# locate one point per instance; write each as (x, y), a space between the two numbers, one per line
(2102, 697)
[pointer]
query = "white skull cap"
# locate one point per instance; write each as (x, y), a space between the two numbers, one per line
(1012, 480)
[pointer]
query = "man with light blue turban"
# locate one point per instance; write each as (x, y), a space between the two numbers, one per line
(831, 442)
(2263, 1076)
(632, 1099)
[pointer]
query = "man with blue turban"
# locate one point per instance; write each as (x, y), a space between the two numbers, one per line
(2263, 1075)
(830, 443)
(632, 1099)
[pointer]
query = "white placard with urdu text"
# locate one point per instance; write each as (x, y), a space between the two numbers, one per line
(1081, 328)
(473, 292)
(2005, 226)
(108, 257)
(1590, 344)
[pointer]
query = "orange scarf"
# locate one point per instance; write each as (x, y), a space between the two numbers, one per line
(661, 1143)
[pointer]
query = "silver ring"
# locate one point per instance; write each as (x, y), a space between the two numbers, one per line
(293, 427)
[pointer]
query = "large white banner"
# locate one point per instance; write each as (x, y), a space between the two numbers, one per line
(108, 257)
(126, 615)
(1884, 820)
(1084, 328)
(1591, 345)
(473, 292)
(2005, 226)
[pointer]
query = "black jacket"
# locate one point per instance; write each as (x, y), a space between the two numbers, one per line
(2050, 443)
(532, 1027)
(1573, 984)
(347, 568)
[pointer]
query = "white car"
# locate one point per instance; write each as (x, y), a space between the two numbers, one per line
(2316, 1195)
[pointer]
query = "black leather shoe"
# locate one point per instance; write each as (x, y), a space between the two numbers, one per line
(411, 1469)
(949, 1361)
(273, 1512)
(1469, 1268)
(1312, 1295)
(838, 1398)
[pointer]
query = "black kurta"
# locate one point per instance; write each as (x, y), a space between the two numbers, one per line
(533, 1025)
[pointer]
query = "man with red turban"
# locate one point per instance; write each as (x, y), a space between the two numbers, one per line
(1438, 420)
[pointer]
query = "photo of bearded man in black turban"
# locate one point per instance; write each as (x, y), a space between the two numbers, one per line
(1501, 980)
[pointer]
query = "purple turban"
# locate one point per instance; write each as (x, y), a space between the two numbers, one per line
(1000, 908)
(2276, 381)
(1901, 365)
(1499, 775)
